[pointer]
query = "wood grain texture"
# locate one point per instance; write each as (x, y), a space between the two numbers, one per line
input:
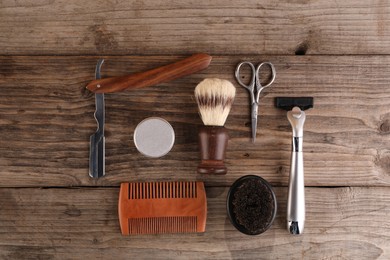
(46, 118)
(347, 223)
(50, 27)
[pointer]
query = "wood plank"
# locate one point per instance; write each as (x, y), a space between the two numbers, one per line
(348, 223)
(181, 27)
(46, 119)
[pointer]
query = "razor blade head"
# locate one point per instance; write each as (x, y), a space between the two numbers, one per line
(288, 103)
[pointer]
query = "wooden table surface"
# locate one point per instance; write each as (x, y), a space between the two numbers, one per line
(336, 51)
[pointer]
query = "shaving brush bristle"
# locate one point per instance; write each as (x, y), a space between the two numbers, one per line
(215, 98)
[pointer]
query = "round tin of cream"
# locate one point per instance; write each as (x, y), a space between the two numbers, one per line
(154, 137)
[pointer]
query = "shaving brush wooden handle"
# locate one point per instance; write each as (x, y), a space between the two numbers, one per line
(213, 141)
(215, 98)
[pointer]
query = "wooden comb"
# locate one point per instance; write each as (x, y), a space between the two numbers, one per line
(162, 207)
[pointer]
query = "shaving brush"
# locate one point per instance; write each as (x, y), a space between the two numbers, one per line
(215, 98)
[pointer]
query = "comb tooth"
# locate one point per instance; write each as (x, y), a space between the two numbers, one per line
(142, 226)
(147, 223)
(175, 224)
(164, 224)
(130, 226)
(181, 225)
(159, 224)
(130, 191)
(194, 224)
(154, 226)
(136, 226)
(146, 191)
(163, 191)
(173, 220)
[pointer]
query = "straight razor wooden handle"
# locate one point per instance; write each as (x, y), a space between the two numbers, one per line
(152, 77)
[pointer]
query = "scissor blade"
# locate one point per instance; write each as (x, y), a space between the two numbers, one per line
(254, 114)
(97, 140)
(254, 129)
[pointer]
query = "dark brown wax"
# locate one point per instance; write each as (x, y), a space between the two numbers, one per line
(253, 206)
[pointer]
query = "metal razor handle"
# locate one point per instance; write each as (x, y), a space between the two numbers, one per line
(296, 191)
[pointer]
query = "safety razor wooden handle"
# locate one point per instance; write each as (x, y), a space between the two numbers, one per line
(152, 77)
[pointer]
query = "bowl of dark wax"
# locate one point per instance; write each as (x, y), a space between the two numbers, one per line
(251, 205)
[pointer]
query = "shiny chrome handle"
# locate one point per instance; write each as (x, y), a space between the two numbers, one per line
(296, 191)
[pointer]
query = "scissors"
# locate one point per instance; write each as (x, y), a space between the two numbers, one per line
(254, 87)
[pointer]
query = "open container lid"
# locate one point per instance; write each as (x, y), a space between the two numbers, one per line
(154, 137)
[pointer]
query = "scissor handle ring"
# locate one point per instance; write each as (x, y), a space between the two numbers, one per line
(273, 74)
(237, 74)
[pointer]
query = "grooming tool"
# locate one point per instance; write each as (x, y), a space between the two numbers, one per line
(255, 87)
(154, 137)
(296, 192)
(152, 77)
(215, 98)
(162, 207)
(97, 140)
(251, 205)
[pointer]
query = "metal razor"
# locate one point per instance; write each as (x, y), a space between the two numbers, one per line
(296, 191)
(97, 140)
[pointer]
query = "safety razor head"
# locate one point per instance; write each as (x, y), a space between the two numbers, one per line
(288, 103)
